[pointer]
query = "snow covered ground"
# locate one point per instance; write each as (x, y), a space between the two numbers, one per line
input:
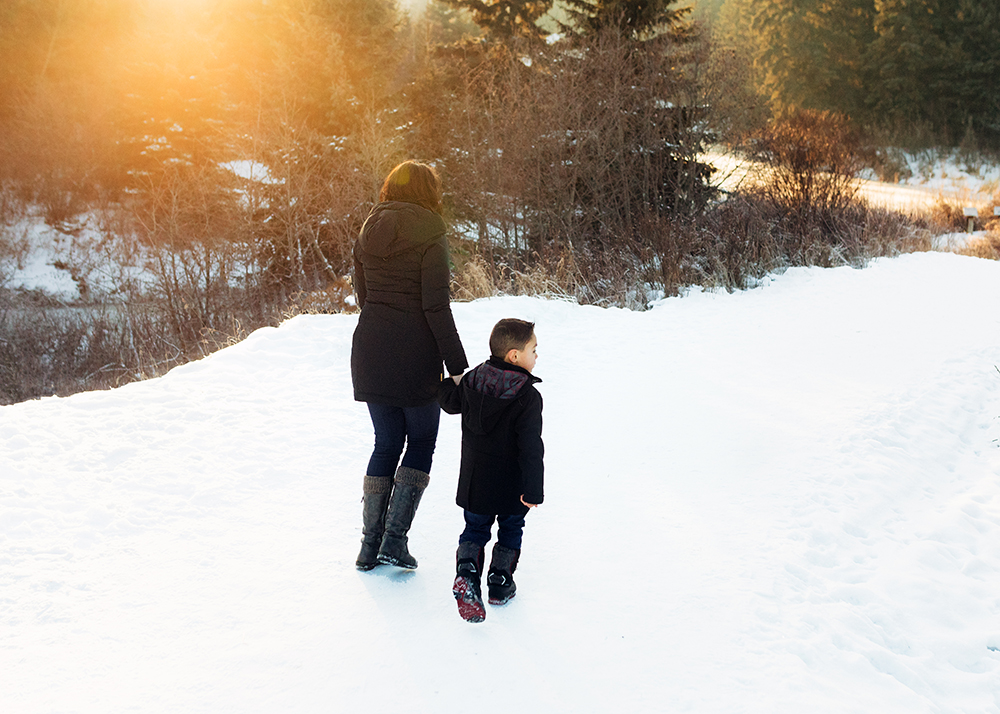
(76, 262)
(780, 500)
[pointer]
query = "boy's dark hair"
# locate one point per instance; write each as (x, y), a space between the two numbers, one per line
(510, 334)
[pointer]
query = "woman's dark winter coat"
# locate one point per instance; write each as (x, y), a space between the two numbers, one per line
(406, 328)
(502, 450)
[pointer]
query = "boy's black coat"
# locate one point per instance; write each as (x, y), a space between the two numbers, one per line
(502, 450)
(406, 328)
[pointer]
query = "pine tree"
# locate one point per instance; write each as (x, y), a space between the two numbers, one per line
(639, 18)
(808, 54)
(58, 92)
(938, 62)
(446, 24)
(507, 19)
(366, 33)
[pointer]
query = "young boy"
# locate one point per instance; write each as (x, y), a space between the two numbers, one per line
(502, 473)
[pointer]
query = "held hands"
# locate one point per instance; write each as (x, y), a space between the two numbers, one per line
(457, 377)
(529, 505)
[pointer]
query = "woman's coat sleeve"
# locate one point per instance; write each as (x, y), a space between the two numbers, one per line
(435, 279)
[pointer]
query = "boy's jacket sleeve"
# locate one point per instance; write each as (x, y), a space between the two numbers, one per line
(450, 396)
(531, 450)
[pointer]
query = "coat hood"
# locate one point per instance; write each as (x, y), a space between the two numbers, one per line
(395, 226)
(489, 389)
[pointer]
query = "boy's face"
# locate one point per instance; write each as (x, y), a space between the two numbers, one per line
(525, 359)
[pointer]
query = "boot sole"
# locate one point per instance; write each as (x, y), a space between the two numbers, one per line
(470, 603)
(388, 560)
(501, 600)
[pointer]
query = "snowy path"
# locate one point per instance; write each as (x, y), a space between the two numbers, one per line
(949, 183)
(781, 500)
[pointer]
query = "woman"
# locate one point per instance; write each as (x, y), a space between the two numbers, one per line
(405, 331)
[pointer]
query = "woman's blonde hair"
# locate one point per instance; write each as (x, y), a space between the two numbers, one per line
(413, 182)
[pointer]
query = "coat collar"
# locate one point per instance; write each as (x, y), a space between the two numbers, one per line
(500, 363)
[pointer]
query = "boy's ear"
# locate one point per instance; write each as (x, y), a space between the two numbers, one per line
(511, 356)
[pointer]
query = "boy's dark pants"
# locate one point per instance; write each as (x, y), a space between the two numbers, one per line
(478, 530)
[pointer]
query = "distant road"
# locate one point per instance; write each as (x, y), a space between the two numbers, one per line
(903, 198)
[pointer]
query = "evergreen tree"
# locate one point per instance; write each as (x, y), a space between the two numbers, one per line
(639, 18)
(898, 63)
(808, 54)
(506, 19)
(58, 95)
(446, 24)
(366, 33)
(937, 61)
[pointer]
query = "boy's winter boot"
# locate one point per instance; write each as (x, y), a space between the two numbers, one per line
(377, 491)
(408, 488)
(468, 578)
(500, 580)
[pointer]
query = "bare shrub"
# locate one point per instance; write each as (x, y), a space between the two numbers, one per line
(48, 351)
(813, 159)
(337, 297)
(739, 241)
(612, 272)
(603, 237)
(298, 223)
(14, 247)
(731, 247)
(12, 206)
(186, 221)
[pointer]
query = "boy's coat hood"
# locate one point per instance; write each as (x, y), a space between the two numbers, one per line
(489, 389)
(396, 226)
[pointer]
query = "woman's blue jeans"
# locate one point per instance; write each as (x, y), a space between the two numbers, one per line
(414, 428)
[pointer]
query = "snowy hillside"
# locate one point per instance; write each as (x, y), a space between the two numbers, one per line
(782, 500)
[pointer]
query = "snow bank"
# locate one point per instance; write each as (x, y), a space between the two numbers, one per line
(781, 500)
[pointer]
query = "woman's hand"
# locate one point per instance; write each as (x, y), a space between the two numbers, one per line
(529, 505)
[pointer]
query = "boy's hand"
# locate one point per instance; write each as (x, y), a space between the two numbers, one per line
(529, 505)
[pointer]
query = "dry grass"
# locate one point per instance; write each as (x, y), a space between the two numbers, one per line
(473, 280)
(986, 247)
(558, 276)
